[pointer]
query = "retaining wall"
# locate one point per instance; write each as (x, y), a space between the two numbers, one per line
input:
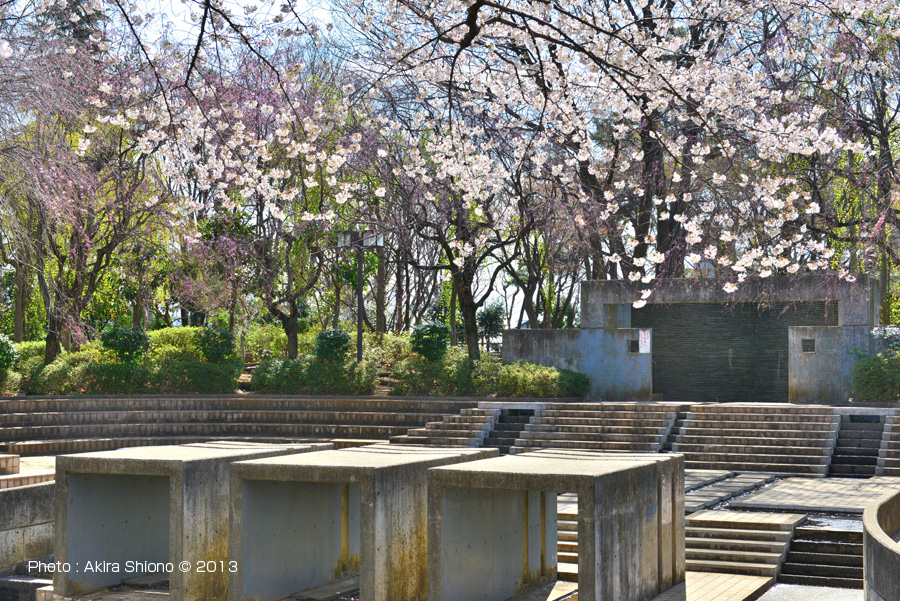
(881, 522)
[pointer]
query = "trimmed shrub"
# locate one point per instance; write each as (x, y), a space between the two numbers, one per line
(430, 340)
(10, 382)
(26, 351)
(304, 375)
(332, 346)
(184, 339)
(64, 376)
(8, 353)
(877, 378)
(168, 376)
(486, 377)
(128, 344)
(217, 345)
(264, 341)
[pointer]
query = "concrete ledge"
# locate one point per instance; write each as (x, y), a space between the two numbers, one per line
(155, 505)
(490, 536)
(26, 523)
(303, 521)
(881, 559)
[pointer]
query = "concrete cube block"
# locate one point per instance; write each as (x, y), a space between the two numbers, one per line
(301, 522)
(131, 512)
(492, 525)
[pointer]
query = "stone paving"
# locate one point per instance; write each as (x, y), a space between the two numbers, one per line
(839, 495)
(723, 490)
(794, 592)
(694, 479)
(707, 586)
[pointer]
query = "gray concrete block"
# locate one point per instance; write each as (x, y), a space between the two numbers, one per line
(301, 522)
(118, 511)
(482, 526)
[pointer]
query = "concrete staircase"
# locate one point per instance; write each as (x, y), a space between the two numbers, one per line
(889, 454)
(756, 437)
(468, 429)
(729, 542)
(49, 426)
(819, 557)
(567, 538)
(508, 428)
(625, 427)
(858, 444)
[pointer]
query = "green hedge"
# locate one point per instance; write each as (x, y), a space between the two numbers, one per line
(459, 375)
(305, 375)
(877, 378)
(184, 339)
(172, 376)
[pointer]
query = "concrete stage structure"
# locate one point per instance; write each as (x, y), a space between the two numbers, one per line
(492, 525)
(304, 521)
(779, 339)
(155, 505)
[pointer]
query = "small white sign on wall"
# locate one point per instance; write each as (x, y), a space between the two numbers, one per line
(644, 341)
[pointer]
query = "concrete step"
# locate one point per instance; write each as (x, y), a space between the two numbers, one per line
(829, 581)
(567, 557)
(56, 447)
(741, 455)
(760, 418)
(766, 408)
(585, 444)
(567, 526)
(567, 572)
(711, 426)
(805, 533)
(16, 480)
(823, 570)
(200, 429)
(825, 559)
(755, 438)
(213, 416)
(781, 537)
(735, 544)
(736, 556)
(738, 465)
(567, 547)
(744, 520)
(731, 567)
(443, 406)
(826, 547)
(9, 465)
(747, 449)
(589, 435)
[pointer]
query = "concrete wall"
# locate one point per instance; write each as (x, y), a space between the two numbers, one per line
(293, 536)
(600, 353)
(857, 301)
(26, 523)
(726, 352)
(881, 554)
(494, 548)
(824, 376)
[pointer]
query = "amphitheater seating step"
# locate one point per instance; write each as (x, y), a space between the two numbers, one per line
(53, 425)
(858, 444)
(774, 438)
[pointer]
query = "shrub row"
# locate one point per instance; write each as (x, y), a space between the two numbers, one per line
(306, 375)
(456, 374)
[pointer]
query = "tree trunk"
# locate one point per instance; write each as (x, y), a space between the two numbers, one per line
(336, 319)
(20, 302)
(469, 311)
(53, 345)
(380, 287)
(289, 323)
(137, 313)
(454, 337)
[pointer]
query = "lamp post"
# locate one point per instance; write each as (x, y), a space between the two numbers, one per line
(360, 241)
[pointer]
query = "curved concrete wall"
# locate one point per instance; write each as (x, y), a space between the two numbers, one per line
(881, 521)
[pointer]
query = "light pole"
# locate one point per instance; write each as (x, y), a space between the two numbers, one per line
(360, 241)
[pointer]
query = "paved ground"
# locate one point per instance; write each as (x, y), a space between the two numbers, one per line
(722, 490)
(793, 592)
(706, 586)
(37, 464)
(694, 479)
(841, 495)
